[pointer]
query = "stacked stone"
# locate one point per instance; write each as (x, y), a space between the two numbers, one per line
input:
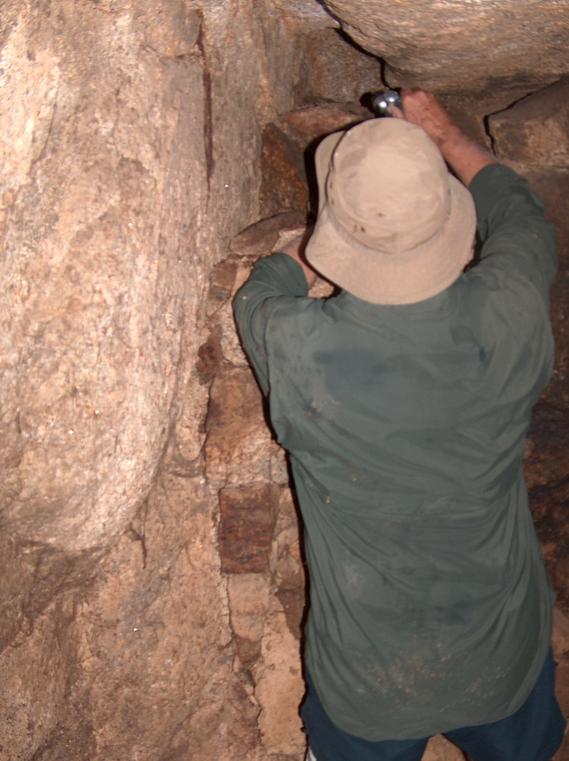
(258, 530)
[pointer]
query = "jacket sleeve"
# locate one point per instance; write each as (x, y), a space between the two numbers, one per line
(274, 281)
(517, 241)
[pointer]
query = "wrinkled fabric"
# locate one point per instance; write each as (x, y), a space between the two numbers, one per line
(429, 604)
(533, 733)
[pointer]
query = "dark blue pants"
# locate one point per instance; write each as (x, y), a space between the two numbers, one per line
(533, 733)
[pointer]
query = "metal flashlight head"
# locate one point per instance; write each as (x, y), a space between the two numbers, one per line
(381, 101)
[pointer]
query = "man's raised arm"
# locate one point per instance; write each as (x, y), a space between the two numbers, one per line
(465, 157)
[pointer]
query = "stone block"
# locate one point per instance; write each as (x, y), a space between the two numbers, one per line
(552, 185)
(210, 356)
(313, 122)
(287, 154)
(34, 683)
(260, 238)
(221, 284)
(255, 241)
(171, 31)
(535, 131)
(279, 687)
(304, 15)
(444, 45)
(238, 441)
(549, 506)
(284, 184)
(99, 139)
(248, 603)
(248, 652)
(246, 527)
(336, 70)
(231, 347)
(287, 564)
(279, 467)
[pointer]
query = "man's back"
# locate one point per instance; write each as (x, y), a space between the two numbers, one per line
(404, 404)
(405, 425)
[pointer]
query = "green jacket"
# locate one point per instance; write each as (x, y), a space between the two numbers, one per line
(429, 604)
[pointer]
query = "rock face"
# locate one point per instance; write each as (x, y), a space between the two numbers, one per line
(288, 180)
(117, 196)
(451, 45)
(151, 573)
(258, 528)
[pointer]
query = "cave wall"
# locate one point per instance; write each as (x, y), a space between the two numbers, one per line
(496, 48)
(126, 128)
(151, 577)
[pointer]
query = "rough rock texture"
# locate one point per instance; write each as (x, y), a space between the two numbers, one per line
(95, 302)
(288, 180)
(451, 45)
(258, 529)
(121, 183)
(335, 71)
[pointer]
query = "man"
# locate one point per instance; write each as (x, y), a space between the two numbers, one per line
(404, 402)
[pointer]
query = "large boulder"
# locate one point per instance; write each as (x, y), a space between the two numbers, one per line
(121, 182)
(452, 45)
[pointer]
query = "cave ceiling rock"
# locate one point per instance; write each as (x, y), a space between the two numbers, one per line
(462, 46)
(310, 15)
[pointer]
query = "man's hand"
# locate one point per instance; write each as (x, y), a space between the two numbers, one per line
(425, 110)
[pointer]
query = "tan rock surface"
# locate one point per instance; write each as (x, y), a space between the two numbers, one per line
(287, 150)
(249, 604)
(121, 183)
(303, 14)
(95, 301)
(337, 71)
(451, 45)
(155, 643)
(279, 687)
(247, 521)
(239, 443)
(535, 131)
(35, 682)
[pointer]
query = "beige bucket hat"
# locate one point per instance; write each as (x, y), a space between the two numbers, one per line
(393, 226)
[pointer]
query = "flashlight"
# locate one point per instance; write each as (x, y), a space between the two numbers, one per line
(381, 101)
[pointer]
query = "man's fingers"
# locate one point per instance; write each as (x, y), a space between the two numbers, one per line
(405, 93)
(395, 111)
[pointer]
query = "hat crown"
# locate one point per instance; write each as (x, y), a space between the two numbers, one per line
(388, 186)
(387, 177)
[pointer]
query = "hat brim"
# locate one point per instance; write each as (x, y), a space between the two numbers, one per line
(397, 277)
